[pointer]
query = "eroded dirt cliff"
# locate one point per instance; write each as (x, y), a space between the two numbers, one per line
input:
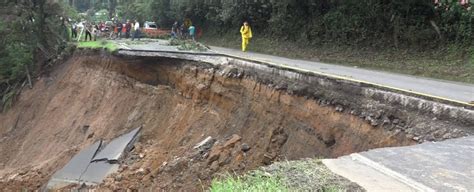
(252, 119)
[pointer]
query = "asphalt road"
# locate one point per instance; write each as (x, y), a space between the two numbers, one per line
(449, 90)
(457, 91)
(443, 166)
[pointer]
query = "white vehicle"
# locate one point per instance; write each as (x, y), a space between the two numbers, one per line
(150, 25)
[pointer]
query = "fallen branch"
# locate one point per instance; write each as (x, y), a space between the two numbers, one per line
(29, 77)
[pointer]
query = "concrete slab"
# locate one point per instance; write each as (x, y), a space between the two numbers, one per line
(97, 172)
(114, 150)
(93, 164)
(442, 166)
(368, 178)
(73, 170)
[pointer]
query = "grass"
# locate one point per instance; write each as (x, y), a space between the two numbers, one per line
(256, 181)
(99, 44)
(302, 175)
(449, 62)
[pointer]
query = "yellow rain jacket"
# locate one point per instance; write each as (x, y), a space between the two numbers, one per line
(246, 32)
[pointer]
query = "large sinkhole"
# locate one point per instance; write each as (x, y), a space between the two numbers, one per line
(256, 115)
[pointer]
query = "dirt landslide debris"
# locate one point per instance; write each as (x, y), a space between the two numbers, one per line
(197, 165)
(212, 158)
(199, 120)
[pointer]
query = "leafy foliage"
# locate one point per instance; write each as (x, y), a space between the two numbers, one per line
(33, 32)
(352, 22)
(188, 45)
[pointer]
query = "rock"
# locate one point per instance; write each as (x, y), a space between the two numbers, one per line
(141, 155)
(118, 178)
(214, 166)
(396, 121)
(416, 138)
(201, 87)
(447, 136)
(141, 171)
(214, 154)
(224, 158)
(267, 159)
(245, 147)
(374, 123)
(205, 144)
(231, 142)
(85, 128)
(430, 138)
(378, 114)
(339, 108)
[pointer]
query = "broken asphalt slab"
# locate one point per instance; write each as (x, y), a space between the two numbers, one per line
(442, 166)
(94, 163)
(97, 171)
(73, 170)
(114, 150)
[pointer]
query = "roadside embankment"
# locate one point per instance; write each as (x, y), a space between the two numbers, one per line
(254, 113)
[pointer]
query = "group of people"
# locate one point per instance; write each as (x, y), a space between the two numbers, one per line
(126, 30)
(116, 30)
(184, 31)
(189, 31)
(90, 29)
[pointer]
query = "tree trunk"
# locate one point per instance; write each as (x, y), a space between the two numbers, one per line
(112, 5)
(41, 26)
(396, 30)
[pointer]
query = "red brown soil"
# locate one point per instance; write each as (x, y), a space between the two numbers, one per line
(179, 103)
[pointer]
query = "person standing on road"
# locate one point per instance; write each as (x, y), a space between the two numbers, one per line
(124, 29)
(136, 27)
(95, 31)
(74, 30)
(192, 32)
(128, 27)
(246, 33)
(119, 30)
(174, 30)
(88, 31)
(182, 29)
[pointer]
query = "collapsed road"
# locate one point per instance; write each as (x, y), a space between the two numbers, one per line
(182, 99)
(94, 163)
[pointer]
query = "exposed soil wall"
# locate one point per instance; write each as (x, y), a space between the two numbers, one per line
(179, 103)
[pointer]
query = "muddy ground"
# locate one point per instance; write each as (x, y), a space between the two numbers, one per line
(254, 118)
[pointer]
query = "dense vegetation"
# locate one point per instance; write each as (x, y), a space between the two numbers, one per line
(32, 34)
(402, 23)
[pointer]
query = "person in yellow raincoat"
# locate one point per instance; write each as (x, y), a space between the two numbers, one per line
(246, 32)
